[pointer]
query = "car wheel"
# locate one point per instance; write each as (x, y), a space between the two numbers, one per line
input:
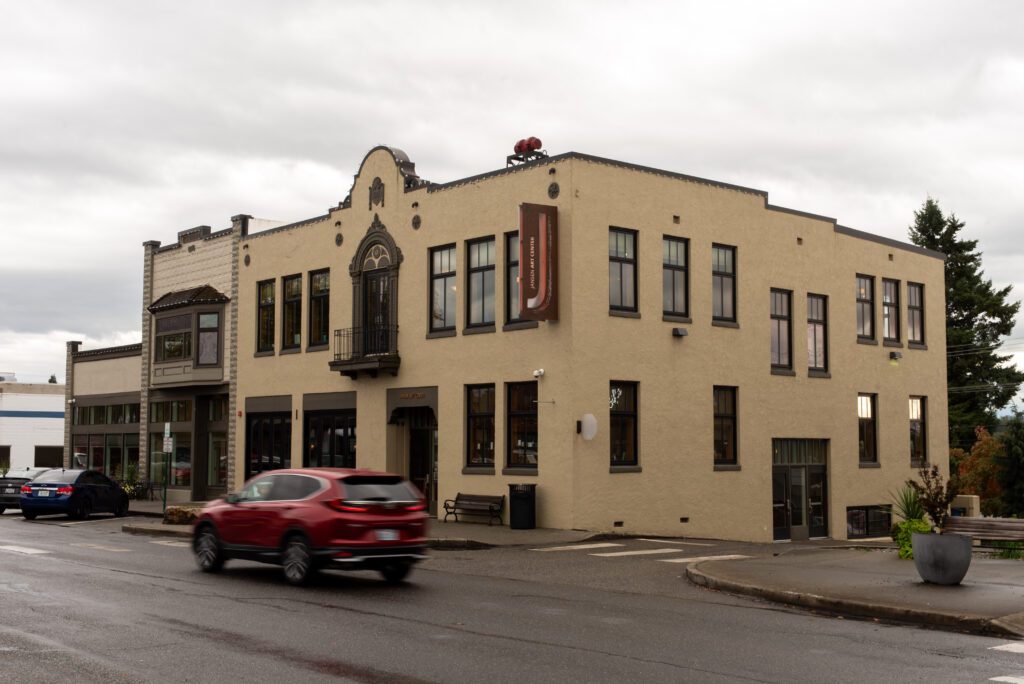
(298, 561)
(82, 510)
(121, 509)
(28, 515)
(208, 551)
(2, 509)
(395, 572)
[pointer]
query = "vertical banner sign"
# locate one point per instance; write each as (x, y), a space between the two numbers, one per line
(538, 262)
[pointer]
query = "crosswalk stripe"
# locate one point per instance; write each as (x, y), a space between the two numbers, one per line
(576, 547)
(1012, 647)
(171, 542)
(22, 549)
(1008, 680)
(698, 559)
(673, 541)
(642, 552)
(100, 547)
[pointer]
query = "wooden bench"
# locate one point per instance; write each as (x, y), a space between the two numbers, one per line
(475, 504)
(986, 530)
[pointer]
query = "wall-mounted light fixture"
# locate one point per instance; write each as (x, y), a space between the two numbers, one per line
(894, 358)
(679, 332)
(587, 426)
(539, 373)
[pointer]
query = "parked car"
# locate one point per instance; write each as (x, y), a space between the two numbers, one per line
(311, 518)
(10, 486)
(77, 493)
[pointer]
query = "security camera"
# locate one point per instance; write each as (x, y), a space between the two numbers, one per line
(539, 373)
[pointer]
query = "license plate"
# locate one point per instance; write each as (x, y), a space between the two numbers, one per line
(42, 492)
(10, 490)
(387, 535)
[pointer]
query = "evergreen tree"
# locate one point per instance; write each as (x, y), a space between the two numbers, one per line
(1012, 473)
(53, 380)
(981, 381)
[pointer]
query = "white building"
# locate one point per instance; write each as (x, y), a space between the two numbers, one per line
(31, 424)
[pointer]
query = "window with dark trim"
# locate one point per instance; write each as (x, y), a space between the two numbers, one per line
(480, 425)
(623, 410)
(521, 428)
(291, 312)
(918, 431)
(890, 310)
(867, 407)
(622, 269)
(442, 288)
(331, 439)
(725, 425)
(915, 313)
(866, 307)
(265, 317)
(480, 282)
(209, 339)
(512, 277)
(675, 282)
(319, 307)
(173, 338)
(782, 329)
(868, 521)
(817, 332)
(723, 283)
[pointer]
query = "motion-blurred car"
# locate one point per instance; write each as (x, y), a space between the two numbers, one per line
(10, 486)
(77, 493)
(312, 518)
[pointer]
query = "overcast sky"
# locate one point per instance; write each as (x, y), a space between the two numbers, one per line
(129, 121)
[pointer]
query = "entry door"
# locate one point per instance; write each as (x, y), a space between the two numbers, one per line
(799, 504)
(423, 464)
(780, 503)
(376, 314)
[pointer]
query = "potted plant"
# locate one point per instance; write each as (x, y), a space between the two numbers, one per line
(939, 558)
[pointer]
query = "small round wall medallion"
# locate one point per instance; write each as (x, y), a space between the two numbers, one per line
(338, 239)
(416, 222)
(553, 191)
(247, 259)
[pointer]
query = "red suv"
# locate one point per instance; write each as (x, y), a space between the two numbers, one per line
(306, 519)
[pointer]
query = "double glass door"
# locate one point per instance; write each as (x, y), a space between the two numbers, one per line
(799, 489)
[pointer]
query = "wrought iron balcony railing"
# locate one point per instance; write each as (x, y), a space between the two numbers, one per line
(369, 349)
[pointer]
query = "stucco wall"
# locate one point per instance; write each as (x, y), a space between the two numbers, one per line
(107, 376)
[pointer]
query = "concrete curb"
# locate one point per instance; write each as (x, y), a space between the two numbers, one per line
(947, 621)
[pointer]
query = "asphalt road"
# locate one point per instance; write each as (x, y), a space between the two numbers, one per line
(86, 603)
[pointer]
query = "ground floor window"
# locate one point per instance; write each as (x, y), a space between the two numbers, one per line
(480, 425)
(268, 442)
(51, 456)
(178, 471)
(330, 439)
(217, 460)
(114, 455)
(5, 459)
(521, 409)
(622, 405)
(868, 521)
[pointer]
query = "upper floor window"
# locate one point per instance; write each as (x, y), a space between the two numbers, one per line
(915, 313)
(521, 428)
(291, 312)
(174, 338)
(723, 283)
(512, 277)
(480, 425)
(622, 269)
(319, 307)
(782, 326)
(866, 307)
(480, 281)
(442, 286)
(867, 405)
(725, 425)
(265, 305)
(622, 404)
(817, 332)
(675, 291)
(890, 310)
(209, 339)
(918, 433)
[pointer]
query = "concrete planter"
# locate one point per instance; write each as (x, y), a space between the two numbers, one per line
(941, 558)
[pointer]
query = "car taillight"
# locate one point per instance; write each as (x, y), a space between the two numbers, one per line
(344, 506)
(25, 489)
(67, 489)
(421, 506)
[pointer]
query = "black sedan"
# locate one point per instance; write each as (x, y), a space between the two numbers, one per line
(77, 493)
(11, 483)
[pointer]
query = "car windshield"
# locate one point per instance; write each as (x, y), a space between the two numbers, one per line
(24, 473)
(377, 488)
(64, 476)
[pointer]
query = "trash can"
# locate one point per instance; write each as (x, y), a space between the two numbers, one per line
(522, 506)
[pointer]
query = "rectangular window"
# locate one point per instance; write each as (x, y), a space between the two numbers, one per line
(864, 522)
(866, 307)
(915, 313)
(174, 338)
(331, 439)
(268, 442)
(817, 332)
(918, 431)
(782, 328)
(867, 431)
(480, 425)
(442, 287)
(723, 283)
(265, 311)
(291, 312)
(890, 310)
(480, 282)
(170, 411)
(675, 290)
(623, 407)
(521, 428)
(725, 426)
(319, 307)
(209, 339)
(178, 471)
(622, 269)
(512, 277)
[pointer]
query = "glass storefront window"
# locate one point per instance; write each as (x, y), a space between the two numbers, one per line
(217, 460)
(181, 459)
(96, 455)
(114, 457)
(131, 464)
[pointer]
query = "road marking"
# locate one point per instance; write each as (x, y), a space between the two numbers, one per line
(670, 541)
(1012, 647)
(22, 549)
(1008, 680)
(576, 547)
(642, 552)
(100, 547)
(172, 542)
(91, 520)
(698, 559)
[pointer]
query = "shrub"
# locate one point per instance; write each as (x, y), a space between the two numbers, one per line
(907, 504)
(1009, 549)
(934, 496)
(904, 532)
